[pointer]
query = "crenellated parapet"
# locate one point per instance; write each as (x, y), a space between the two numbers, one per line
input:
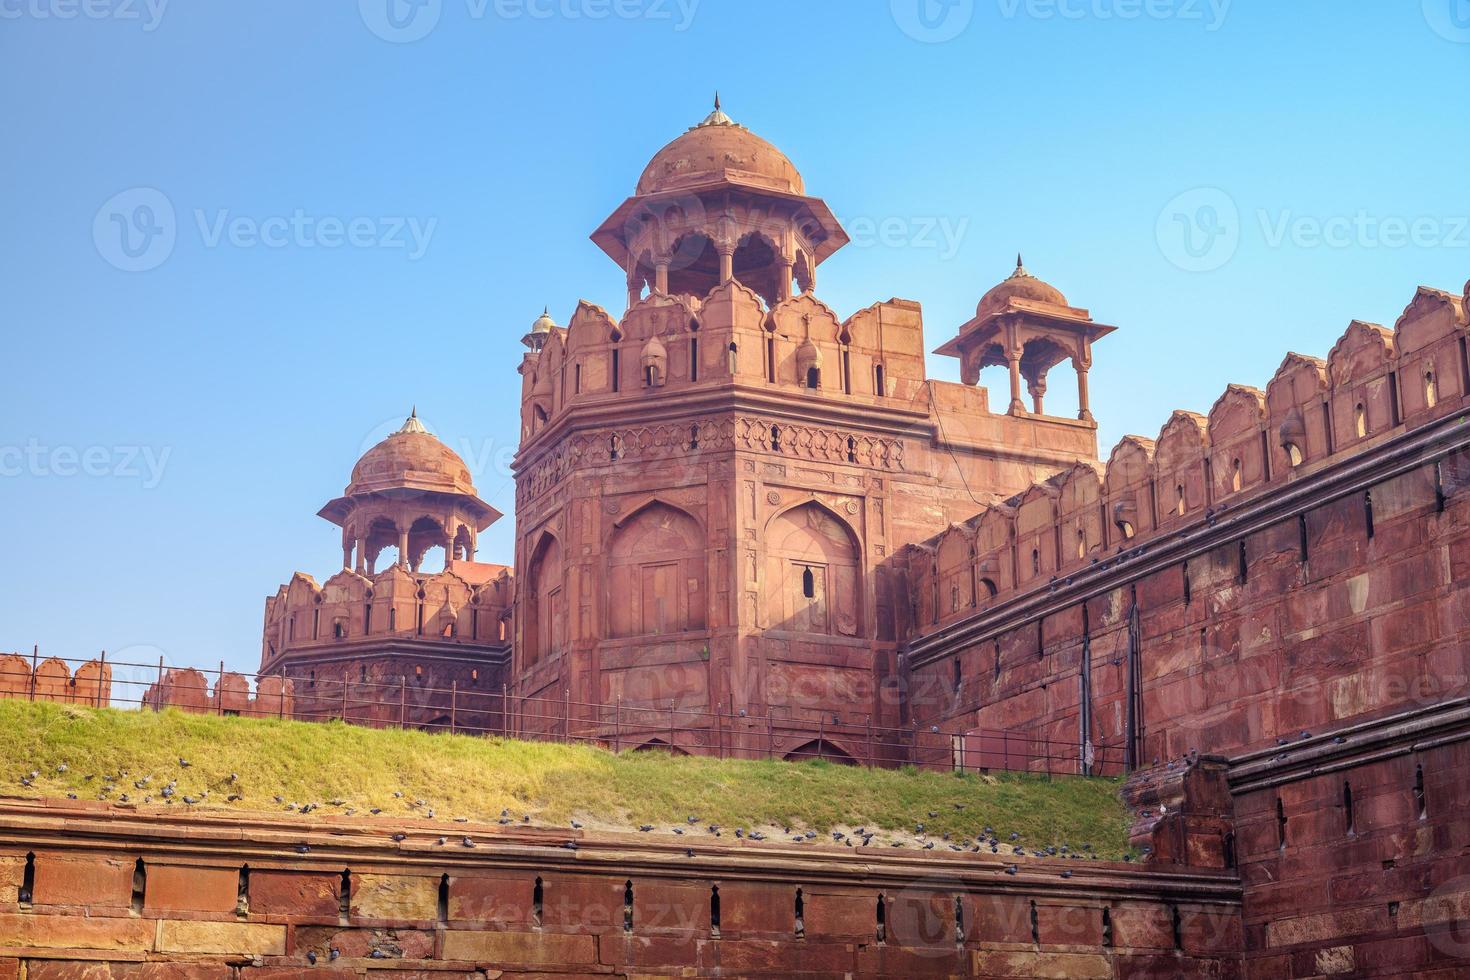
(189, 690)
(468, 603)
(52, 680)
(1375, 384)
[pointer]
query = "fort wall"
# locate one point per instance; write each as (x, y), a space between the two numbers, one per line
(88, 893)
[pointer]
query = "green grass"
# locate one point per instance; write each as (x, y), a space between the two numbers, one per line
(462, 776)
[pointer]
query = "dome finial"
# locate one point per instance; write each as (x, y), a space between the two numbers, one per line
(412, 423)
(717, 99)
(1018, 261)
(1020, 272)
(717, 117)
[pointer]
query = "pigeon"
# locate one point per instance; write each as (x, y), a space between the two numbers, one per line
(576, 825)
(933, 814)
(1010, 869)
(689, 852)
(311, 957)
(184, 763)
(693, 819)
(397, 794)
(441, 842)
(191, 800)
(466, 842)
(302, 849)
(570, 845)
(1066, 874)
(333, 953)
(374, 811)
(378, 954)
(61, 768)
(399, 838)
(679, 831)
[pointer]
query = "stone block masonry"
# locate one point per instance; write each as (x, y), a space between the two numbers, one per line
(112, 894)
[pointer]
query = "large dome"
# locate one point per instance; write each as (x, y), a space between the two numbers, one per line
(1020, 285)
(716, 149)
(412, 459)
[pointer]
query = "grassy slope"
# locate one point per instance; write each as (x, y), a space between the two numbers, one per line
(470, 777)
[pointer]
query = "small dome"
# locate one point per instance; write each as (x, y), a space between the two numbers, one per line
(411, 459)
(1020, 285)
(716, 148)
(544, 323)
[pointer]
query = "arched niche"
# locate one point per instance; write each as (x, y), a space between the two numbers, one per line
(814, 573)
(545, 614)
(655, 573)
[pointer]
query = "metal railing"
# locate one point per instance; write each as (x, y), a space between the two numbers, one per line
(800, 733)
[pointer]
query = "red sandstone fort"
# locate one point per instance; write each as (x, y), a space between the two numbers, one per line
(743, 511)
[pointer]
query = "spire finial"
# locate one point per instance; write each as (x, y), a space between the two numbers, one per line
(546, 310)
(412, 423)
(1018, 261)
(413, 412)
(717, 100)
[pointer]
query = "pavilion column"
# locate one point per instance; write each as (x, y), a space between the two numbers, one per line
(1084, 409)
(347, 552)
(661, 273)
(783, 279)
(635, 291)
(362, 555)
(727, 263)
(1037, 389)
(403, 549)
(1013, 359)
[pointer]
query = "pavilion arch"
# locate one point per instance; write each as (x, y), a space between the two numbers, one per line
(381, 534)
(544, 631)
(425, 534)
(814, 566)
(655, 572)
(756, 263)
(821, 750)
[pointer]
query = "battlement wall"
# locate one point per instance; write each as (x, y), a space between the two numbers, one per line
(189, 690)
(1288, 563)
(52, 680)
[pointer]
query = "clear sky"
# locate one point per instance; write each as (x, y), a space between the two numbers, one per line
(336, 210)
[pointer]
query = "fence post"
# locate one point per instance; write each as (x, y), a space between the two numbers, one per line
(158, 691)
(344, 696)
(618, 726)
(453, 703)
(566, 715)
(821, 732)
(504, 712)
(101, 675)
(770, 736)
(671, 727)
(280, 698)
(402, 698)
(35, 654)
(868, 737)
(720, 727)
(219, 693)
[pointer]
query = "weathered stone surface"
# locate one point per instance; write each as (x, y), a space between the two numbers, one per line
(221, 938)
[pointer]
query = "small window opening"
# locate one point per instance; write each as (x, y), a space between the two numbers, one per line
(1179, 500)
(851, 449)
(1360, 420)
(367, 618)
(882, 920)
(693, 358)
(694, 436)
(538, 899)
(242, 893)
(1347, 808)
(338, 631)
(880, 387)
(1301, 533)
(1177, 922)
(808, 584)
(1035, 924)
(616, 363)
(442, 905)
(1421, 800)
(800, 912)
(1227, 847)
(1081, 543)
(344, 896)
(614, 448)
(628, 906)
(140, 886)
(1035, 561)
(776, 438)
(813, 377)
(959, 921)
(733, 355)
(1127, 529)
(392, 619)
(1431, 390)
(1368, 513)
(1107, 927)
(577, 379)
(27, 892)
(771, 359)
(1294, 455)
(714, 911)
(316, 623)
(1281, 823)
(846, 372)
(1235, 477)
(958, 679)
(1242, 565)
(1188, 588)
(650, 376)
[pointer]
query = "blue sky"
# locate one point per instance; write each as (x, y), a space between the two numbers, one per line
(362, 221)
